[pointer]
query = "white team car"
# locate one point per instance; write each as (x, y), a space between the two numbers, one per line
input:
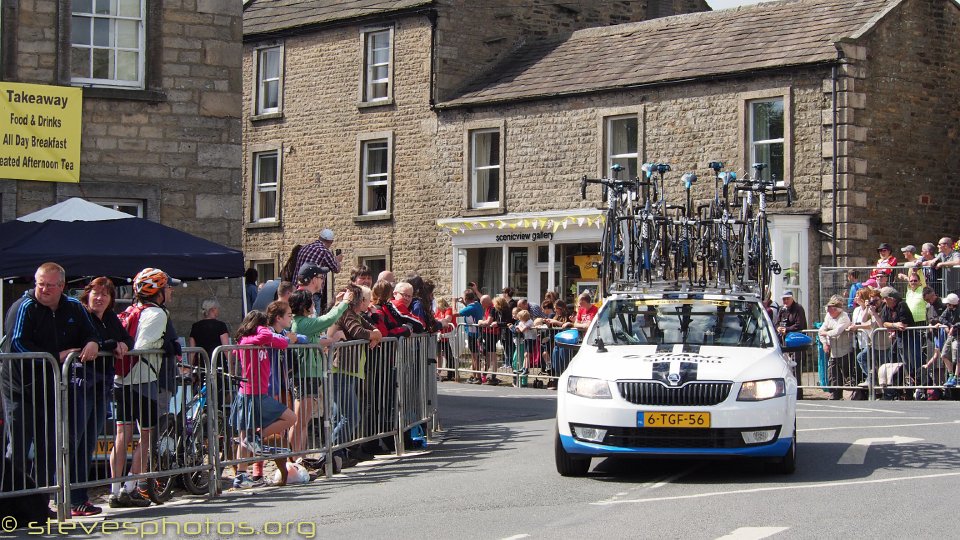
(678, 374)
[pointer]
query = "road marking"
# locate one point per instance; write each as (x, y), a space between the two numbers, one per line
(843, 408)
(517, 537)
(656, 483)
(880, 427)
(862, 418)
(856, 454)
(753, 533)
(776, 488)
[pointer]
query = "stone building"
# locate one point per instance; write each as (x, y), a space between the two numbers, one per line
(476, 176)
(339, 123)
(762, 83)
(161, 134)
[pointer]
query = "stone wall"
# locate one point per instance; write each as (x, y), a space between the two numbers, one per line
(495, 28)
(903, 118)
(178, 149)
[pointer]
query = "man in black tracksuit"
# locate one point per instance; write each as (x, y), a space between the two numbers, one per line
(42, 320)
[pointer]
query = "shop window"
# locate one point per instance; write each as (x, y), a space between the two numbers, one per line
(485, 268)
(622, 140)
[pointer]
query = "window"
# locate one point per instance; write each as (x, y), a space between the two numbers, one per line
(266, 177)
(377, 56)
(621, 139)
(108, 42)
(766, 137)
(485, 168)
(269, 80)
(374, 264)
(375, 177)
(132, 207)
(266, 270)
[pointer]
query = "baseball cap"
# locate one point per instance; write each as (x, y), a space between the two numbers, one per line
(787, 294)
(952, 298)
(309, 271)
(909, 247)
(885, 246)
(870, 283)
(327, 235)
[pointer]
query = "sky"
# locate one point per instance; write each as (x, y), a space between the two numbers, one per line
(723, 4)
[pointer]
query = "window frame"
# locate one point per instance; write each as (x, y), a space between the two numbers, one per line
(608, 155)
(114, 204)
(471, 168)
(363, 144)
(366, 37)
(141, 49)
(259, 111)
(747, 149)
(254, 198)
(259, 263)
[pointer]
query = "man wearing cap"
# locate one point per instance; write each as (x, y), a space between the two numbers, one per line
(310, 278)
(949, 320)
(896, 317)
(837, 343)
(42, 320)
(791, 317)
(318, 253)
(910, 257)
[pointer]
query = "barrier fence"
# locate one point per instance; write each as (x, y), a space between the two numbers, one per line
(482, 352)
(884, 364)
(833, 281)
(156, 423)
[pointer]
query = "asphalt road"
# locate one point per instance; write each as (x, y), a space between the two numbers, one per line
(880, 469)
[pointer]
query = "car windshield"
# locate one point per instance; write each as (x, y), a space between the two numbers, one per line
(671, 321)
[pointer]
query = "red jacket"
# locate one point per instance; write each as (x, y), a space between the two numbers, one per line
(407, 317)
(387, 320)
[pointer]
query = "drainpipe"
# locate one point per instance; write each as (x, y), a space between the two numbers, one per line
(833, 97)
(433, 16)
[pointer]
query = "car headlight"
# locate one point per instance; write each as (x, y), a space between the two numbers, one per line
(761, 390)
(588, 388)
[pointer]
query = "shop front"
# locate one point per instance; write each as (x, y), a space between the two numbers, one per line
(532, 253)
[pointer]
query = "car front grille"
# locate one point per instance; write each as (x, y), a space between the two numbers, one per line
(677, 437)
(694, 394)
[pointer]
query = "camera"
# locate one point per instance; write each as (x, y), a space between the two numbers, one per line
(338, 251)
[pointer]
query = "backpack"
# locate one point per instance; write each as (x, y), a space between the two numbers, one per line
(130, 319)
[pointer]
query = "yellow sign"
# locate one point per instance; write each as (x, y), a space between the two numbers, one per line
(40, 132)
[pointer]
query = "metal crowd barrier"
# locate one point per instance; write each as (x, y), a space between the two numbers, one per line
(506, 353)
(892, 365)
(29, 386)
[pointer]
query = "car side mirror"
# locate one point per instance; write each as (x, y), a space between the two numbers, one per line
(796, 342)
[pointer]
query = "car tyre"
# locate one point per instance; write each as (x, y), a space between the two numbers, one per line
(788, 463)
(568, 465)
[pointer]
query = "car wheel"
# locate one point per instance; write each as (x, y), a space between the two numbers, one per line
(566, 464)
(788, 463)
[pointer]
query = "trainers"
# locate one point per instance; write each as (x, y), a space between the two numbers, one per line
(84, 510)
(242, 481)
(493, 381)
(951, 381)
(125, 500)
(252, 445)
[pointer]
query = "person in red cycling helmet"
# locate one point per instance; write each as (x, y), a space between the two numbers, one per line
(136, 393)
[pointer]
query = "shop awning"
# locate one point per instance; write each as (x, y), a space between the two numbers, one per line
(542, 221)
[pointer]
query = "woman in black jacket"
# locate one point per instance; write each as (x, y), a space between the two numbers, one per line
(90, 388)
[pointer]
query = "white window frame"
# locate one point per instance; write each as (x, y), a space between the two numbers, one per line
(260, 265)
(118, 204)
(140, 49)
(258, 187)
(608, 142)
(474, 168)
(263, 79)
(367, 81)
(370, 180)
(755, 144)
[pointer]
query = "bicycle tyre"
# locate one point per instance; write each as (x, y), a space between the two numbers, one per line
(196, 452)
(165, 457)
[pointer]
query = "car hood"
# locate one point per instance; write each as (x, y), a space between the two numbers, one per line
(646, 362)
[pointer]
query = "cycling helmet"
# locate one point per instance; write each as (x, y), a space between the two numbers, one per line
(149, 281)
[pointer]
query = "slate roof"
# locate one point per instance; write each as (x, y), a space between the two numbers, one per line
(270, 16)
(747, 38)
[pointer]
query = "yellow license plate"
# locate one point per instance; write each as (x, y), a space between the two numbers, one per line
(673, 419)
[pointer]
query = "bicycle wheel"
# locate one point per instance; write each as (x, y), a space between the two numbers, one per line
(195, 453)
(165, 458)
